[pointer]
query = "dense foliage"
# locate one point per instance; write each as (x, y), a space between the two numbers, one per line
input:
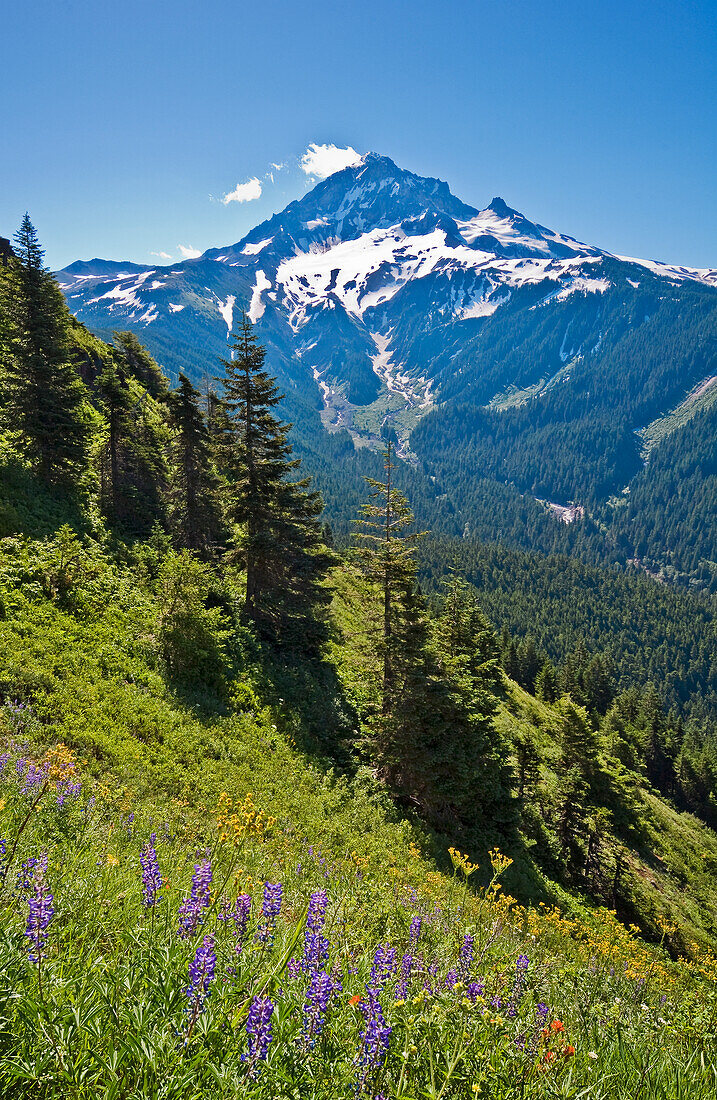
(322, 946)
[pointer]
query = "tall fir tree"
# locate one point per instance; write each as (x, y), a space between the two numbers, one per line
(469, 657)
(276, 531)
(432, 742)
(194, 512)
(468, 642)
(385, 549)
(139, 364)
(133, 473)
(43, 395)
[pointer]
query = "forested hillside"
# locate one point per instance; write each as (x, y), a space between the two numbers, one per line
(446, 838)
(521, 370)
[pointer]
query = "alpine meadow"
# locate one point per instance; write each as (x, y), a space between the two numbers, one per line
(358, 579)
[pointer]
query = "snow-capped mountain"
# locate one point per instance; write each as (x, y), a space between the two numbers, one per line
(380, 294)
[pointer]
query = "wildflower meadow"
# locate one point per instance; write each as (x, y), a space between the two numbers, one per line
(168, 953)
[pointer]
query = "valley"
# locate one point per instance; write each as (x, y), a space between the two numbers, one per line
(495, 349)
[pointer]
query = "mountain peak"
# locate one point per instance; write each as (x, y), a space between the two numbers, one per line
(500, 207)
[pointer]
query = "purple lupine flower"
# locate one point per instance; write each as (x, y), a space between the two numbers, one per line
(271, 903)
(239, 915)
(258, 1029)
(151, 877)
(405, 978)
(541, 1015)
(270, 908)
(375, 1037)
(191, 914)
(316, 946)
(466, 955)
(30, 870)
(384, 965)
(521, 975)
(65, 789)
(497, 1004)
(414, 931)
(4, 757)
(202, 879)
(34, 778)
(316, 915)
(201, 975)
(40, 913)
(451, 980)
(293, 968)
(321, 988)
(20, 766)
(474, 991)
(191, 911)
(316, 951)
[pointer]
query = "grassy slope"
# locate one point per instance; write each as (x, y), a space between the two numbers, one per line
(92, 674)
(91, 667)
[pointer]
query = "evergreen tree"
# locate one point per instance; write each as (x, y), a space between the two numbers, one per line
(139, 364)
(385, 551)
(509, 655)
(468, 642)
(277, 535)
(528, 663)
(579, 741)
(658, 753)
(598, 685)
(132, 467)
(43, 395)
(194, 514)
(433, 742)
(546, 683)
(572, 671)
(469, 659)
(527, 756)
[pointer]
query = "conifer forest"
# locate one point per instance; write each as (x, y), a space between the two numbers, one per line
(302, 804)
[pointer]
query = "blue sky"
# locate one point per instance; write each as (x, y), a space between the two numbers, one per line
(123, 124)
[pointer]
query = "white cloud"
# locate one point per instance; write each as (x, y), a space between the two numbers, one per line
(277, 167)
(162, 255)
(244, 192)
(321, 161)
(188, 252)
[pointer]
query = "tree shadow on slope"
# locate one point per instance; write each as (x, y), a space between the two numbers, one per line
(29, 507)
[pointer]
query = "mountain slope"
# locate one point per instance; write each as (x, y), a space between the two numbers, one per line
(499, 350)
(375, 279)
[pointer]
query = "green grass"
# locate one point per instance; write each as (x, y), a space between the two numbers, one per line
(103, 1010)
(658, 429)
(105, 1013)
